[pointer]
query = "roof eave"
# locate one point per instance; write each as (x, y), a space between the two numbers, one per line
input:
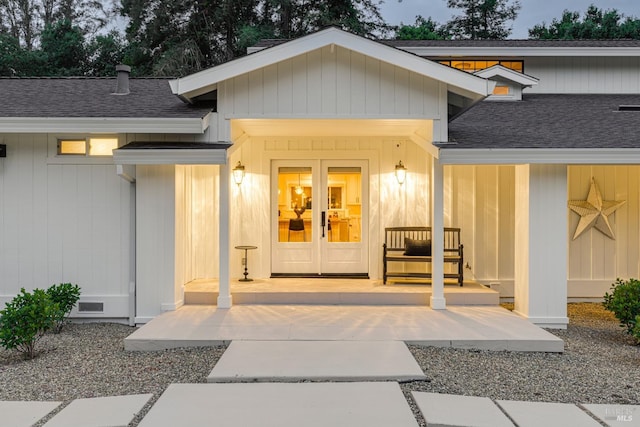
(514, 156)
(484, 51)
(176, 156)
(103, 124)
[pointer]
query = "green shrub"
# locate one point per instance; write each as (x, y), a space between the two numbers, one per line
(636, 329)
(25, 319)
(66, 295)
(624, 302)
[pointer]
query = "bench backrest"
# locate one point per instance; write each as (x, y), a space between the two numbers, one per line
(394, 237)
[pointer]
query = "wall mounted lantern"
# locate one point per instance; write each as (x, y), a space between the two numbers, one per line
(401, 172)
(238, 173)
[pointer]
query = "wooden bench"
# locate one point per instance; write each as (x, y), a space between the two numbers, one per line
(395, 246)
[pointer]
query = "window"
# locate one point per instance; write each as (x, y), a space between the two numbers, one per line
(501, 90)
(471, 66)
(88, 146)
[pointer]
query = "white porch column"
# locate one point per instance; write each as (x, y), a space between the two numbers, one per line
(224, 294)
(437, 236)
(541, 244)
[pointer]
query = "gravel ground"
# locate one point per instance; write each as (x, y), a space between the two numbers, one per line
(601, 364)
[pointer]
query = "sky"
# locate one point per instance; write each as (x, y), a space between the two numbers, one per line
(532, 12)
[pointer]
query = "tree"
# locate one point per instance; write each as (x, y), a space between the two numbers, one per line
(176, 37)
(423, 29)
(63, 46)
(104, 53)
(26, 19)
(482, 19)
(597, 24)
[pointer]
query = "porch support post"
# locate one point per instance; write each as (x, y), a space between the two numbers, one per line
(541, 244)
(224, 294)
(437, 301)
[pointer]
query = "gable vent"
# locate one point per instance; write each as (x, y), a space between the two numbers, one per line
(629, 108)
(90, 307)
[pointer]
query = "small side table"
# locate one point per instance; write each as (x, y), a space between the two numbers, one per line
(245, 262)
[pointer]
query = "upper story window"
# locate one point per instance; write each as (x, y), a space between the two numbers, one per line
(471, 66)
(87, 146)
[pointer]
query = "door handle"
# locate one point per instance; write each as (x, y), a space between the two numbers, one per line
(323, 221)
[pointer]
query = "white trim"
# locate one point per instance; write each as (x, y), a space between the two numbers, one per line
(173, 156)
(547, 322)
(510, 156)
(507, 74)
(78, 125)
(140, 320)
(172, 306)
(518, 52)
(205, 81)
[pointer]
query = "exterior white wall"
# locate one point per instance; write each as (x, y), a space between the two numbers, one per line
(584, 74)
(64, 220)
(595, 261)
(480, 201)
(330, 83)
(158, 281)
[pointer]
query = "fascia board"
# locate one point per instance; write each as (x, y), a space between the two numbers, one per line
(106, 125)
(204, 81)
(569, 156)
(170, 157)
(450, 51)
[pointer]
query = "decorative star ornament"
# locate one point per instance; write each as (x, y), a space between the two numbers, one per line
(594, 212)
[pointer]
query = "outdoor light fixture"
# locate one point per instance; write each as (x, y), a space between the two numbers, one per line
(238, 173)
(401, 172)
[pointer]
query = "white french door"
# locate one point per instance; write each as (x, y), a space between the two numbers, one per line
(319, 217)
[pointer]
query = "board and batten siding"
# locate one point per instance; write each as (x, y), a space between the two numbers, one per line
(331, 82)
(595, 260)
(63, 222)
(584, 74)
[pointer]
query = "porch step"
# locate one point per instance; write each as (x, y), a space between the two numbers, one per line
(290, 361)
(345, 293)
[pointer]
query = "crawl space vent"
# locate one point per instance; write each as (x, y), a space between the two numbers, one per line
(90, 307)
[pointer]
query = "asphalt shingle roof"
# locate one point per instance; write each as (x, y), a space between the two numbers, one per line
(92, 97)
(549, 121)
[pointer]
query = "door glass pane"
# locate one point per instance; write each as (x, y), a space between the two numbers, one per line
(343, 204)
(294, 204)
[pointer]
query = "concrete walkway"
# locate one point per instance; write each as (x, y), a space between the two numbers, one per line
(480, 327)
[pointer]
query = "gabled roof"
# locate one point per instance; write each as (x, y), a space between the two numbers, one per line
(553, 128)
(507, 74)
(88, 104)
(205, 81)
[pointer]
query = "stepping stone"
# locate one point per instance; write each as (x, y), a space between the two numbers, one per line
(114, 411)
(536, 414)
(374, 404)
(24, 414)
(616, 415)
(449, 410)
(250, 361)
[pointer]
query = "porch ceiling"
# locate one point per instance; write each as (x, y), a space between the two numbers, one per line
(332, 127)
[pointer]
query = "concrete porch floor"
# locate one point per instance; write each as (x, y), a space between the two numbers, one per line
(328, 291)
(479, 327)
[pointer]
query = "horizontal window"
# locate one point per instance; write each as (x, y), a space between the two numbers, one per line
(501, 90)
(472, 65)
(87, 147)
